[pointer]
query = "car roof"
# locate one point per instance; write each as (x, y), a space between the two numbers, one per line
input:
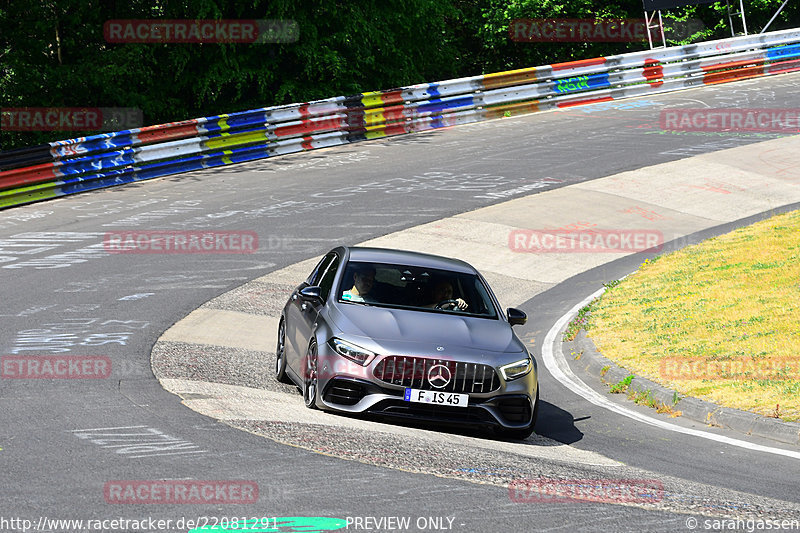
(406, 257)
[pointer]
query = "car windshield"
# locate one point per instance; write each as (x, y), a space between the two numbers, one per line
(417, 288)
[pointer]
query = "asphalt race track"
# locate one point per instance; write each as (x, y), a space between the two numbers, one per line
(64, 442)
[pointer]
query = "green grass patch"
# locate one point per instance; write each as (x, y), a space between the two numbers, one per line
(622, 386)
(581, 320)
(731, 300)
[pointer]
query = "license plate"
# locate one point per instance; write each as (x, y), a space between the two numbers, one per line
(437, 398)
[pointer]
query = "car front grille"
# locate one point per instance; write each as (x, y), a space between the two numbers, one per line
(416, 372)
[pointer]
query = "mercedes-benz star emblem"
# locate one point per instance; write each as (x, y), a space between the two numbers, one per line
(439, 376)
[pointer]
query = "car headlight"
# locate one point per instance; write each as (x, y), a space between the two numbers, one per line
(517, 369)
(351, 351)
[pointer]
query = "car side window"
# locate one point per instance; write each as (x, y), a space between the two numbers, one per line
(321, 268)
(326, 280)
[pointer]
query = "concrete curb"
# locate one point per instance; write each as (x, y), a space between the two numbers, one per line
(606, 370)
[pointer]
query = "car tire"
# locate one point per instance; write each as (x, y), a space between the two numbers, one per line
(523, 433)
(310, 379)
(280, 355)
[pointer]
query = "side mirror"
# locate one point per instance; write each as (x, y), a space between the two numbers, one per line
(516, 317)
(311, 294)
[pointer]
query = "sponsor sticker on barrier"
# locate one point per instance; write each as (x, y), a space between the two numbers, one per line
(585, 240)
(180, 242)
(201, 31)
(760, 120)
(70, 118)
(551, 490)
(180, 492)
(55, 367)
(686, 368)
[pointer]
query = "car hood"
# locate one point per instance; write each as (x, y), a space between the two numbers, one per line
(419, 330)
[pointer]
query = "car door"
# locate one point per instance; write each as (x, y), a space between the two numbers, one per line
(294, 312)
(303, 314)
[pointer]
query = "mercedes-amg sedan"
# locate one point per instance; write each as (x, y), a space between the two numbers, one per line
(404, 334)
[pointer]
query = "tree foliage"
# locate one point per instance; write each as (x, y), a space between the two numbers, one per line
(53, 52)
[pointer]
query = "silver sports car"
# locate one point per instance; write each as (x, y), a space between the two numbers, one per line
(404, 334)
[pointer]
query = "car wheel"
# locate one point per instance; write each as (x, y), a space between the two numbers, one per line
(525, 432)
(310, 377)
(280, 355)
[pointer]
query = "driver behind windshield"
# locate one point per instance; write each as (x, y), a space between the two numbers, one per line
(442, 295)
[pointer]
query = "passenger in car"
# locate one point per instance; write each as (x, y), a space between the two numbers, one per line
(363, 281)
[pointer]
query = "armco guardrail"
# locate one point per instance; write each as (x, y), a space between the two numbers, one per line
(87, 163)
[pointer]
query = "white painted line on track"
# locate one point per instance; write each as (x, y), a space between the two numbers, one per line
(556, 363)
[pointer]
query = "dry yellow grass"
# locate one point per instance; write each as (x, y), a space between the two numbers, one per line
(719, 320)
